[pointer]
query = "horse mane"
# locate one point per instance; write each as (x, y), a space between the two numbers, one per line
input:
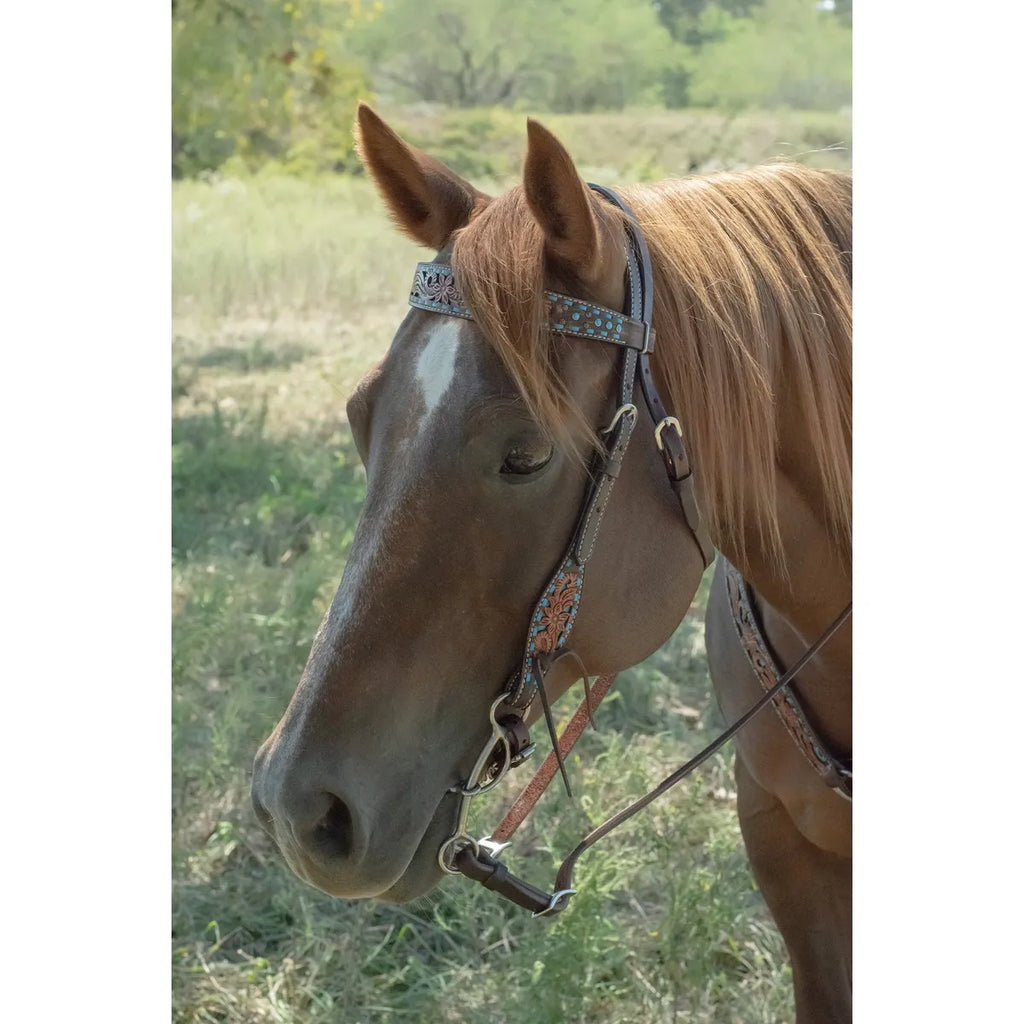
(753, 317)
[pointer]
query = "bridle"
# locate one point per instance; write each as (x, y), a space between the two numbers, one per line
(435, 290)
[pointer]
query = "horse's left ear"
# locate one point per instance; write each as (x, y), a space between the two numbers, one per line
(562, 204)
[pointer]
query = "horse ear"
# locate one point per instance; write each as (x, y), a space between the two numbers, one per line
(427, 200)
(561, 203)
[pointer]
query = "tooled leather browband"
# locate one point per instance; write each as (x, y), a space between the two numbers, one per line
(434, 289)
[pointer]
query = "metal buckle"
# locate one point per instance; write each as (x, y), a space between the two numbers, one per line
(668, 421)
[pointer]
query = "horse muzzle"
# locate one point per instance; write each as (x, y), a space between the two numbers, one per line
(343, 837)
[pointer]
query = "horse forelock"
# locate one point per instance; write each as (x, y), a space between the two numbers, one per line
(498, 260)
(753, 318)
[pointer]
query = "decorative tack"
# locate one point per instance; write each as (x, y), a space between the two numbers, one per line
(551, 622)
(434, 289)
(768, 674)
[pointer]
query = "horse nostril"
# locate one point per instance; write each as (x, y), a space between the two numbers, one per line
(333, 832)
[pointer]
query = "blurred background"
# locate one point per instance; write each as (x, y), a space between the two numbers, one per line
(267, 83)
(288, 283)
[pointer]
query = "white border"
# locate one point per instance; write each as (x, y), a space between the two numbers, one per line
(85, 413)
(937, 511)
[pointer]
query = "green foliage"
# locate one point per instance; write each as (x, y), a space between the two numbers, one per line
(264, 78)
(844, 11)
(276, 81)
(786, 54)
(693, 23)
(596, 54)
(603, 54)
(688, 20)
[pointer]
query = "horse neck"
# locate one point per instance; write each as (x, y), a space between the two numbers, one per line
(807, 582)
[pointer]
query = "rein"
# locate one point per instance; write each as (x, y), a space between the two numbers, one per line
(434, 290)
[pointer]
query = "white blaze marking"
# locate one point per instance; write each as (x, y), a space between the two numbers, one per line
(435, 366)
(434, 375)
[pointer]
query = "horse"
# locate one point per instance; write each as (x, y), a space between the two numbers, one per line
(495, 416)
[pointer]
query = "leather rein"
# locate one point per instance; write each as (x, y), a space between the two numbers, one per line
(554, 614)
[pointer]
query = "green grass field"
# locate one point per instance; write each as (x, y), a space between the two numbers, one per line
(285, 292)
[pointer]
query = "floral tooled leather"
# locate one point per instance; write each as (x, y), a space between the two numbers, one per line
(554, 616)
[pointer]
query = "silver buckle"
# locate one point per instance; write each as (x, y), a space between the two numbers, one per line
(668, 421)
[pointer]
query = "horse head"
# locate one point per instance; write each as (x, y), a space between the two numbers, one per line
(477, 434)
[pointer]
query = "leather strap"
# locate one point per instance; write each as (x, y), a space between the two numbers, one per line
(604, 473)
(534, 789)
(834, 771)
(492, 874)
(668, 433)
(434, 289)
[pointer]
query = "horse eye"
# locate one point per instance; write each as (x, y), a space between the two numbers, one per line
(526, 457)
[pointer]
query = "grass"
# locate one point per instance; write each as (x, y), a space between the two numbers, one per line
(285, 292)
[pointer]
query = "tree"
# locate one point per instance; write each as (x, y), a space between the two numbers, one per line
(261, 77)
(787, 53)
(844, 12)
(687, 22)
(579, 56)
